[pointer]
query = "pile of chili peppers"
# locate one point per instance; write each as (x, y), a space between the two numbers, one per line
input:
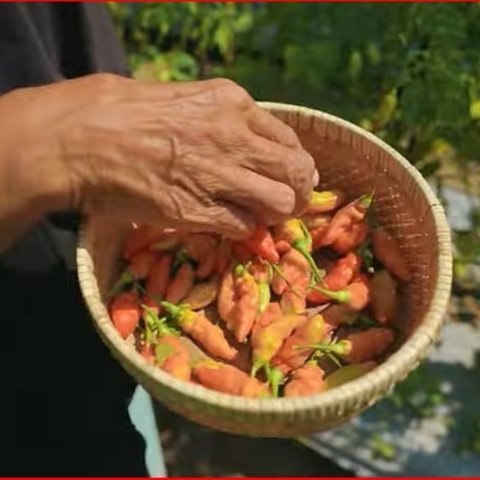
(301, 307)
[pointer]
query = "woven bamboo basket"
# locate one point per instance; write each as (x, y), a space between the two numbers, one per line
(348, 158)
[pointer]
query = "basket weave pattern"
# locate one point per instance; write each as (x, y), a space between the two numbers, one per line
(347, 158)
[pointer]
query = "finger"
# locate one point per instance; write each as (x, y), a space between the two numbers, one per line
(266, 125)
(268, 201)
(292, 167)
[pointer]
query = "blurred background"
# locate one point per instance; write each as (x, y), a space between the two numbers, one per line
(409, 73)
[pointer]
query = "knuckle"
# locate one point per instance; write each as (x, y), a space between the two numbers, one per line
(232, 90)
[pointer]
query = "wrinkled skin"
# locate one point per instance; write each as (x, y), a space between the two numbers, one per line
(197, 156)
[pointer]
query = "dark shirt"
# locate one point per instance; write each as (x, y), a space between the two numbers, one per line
(63, 398)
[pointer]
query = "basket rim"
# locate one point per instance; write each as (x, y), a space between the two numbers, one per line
(370, 385)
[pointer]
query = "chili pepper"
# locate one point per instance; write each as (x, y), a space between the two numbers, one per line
(325, 201)
(202, 294)
(294, 301)
(317, 235)
(158, 277)
(271, 313)
(269, 339)
(356, 295)
(197, 325)
(150, 303)
(242, 316)
(125, 313)
(181, 284)
(226, 295)
(315, 221)
(207, 266)
(173, 356)
(168, 241)
(388, 252)
(358, 347)
(348, 240)
(337, 278)
(293, 267)
(307, 380)
(241, 252)
(223, 256)
(348, 373)
(261, 243)
(228, 379)
(288, 358)
(262, 273)
(343, 220)
(138, 268)
(140, 238)
(384, 297)
(338, 315)
(296, 233)
(274, 379)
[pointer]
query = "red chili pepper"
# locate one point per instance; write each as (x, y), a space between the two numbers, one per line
(337, 278)
(261, 243)
(159, 275)
(389, 253)
(307, 380)
(241, 253)
(208, 335)
(384, 297)
(228, 379)
(141, 264)
(126, 313)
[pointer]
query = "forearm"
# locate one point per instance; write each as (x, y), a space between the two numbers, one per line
(31, 185)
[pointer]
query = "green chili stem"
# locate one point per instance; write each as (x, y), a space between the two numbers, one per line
(278, 270)
(263, 296)
(274, 378)
(341, 296)
(300, 245)
(125, 278)
(174, 310)
(339, 348)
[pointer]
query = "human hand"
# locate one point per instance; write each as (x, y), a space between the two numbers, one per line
(196, 156)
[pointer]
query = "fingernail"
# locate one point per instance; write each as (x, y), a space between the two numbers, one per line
(316, 178)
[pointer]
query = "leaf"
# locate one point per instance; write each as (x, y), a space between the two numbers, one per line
(475, 110)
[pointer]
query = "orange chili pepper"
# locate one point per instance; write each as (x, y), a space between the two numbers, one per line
(269, 339)
(384, 297)
(307, 380)
(181, 284)
(158, 277)
(261, 243)
(293, 269)
(289, 356)
(358, 347)
(349, 240)
(388, 252)
(346, 217)
(172, 356)
(271, 313)
(199, 327)
(242, 316)
(228, 379)
(337, 278)
(125, 312)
